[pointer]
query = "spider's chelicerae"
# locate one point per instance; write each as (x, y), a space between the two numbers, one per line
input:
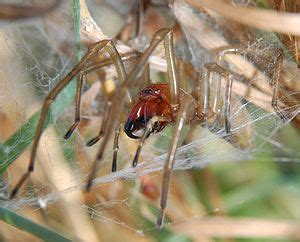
(157, 105)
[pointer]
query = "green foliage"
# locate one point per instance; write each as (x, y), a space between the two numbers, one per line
(25, 224)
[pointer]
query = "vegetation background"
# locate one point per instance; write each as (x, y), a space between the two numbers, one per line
(219, 192)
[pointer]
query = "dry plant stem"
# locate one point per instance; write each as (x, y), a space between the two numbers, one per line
(169, 162)
(226, 227)
(268, 20)
(61, 176)
(93, 50)
(89, 30)
(118, 100)
(14, 12)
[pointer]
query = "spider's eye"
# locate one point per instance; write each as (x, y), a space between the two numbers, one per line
(146, 91)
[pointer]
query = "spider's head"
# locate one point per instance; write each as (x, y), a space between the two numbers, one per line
(154, 100)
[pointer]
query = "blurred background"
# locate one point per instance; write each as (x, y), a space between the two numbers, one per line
(241, 187)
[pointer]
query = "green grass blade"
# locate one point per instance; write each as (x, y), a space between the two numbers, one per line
(76, 26)
(25, 224)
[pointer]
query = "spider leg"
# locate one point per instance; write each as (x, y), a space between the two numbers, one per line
(116, 147)
(181, 118)
(119, 98)
(204, 88)
(221, 53)
(139, 12)
(174, 102)
(214, 67)
(93, 50)
(169, 162)
(108, 61)
(189, 134)
(275, 78)
(148, 129)
(82, 76)
(103, 125)
(275, 85)
(145, 79)
(107, 108)
(172, 69)
(119, 65)
(227, 104)
(182, 76)
(146, 75)
(117, 60)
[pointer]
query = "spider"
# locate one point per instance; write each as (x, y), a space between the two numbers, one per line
(157, 106)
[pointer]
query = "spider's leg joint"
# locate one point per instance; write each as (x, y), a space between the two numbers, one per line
(83, 72)
(48, 101)
(89, 185)
(278, 111)
(99, 156)
(30, 168)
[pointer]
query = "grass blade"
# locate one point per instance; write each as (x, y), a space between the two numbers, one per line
(25, 224)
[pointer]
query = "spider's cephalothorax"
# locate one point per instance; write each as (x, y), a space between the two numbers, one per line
(153, 100)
